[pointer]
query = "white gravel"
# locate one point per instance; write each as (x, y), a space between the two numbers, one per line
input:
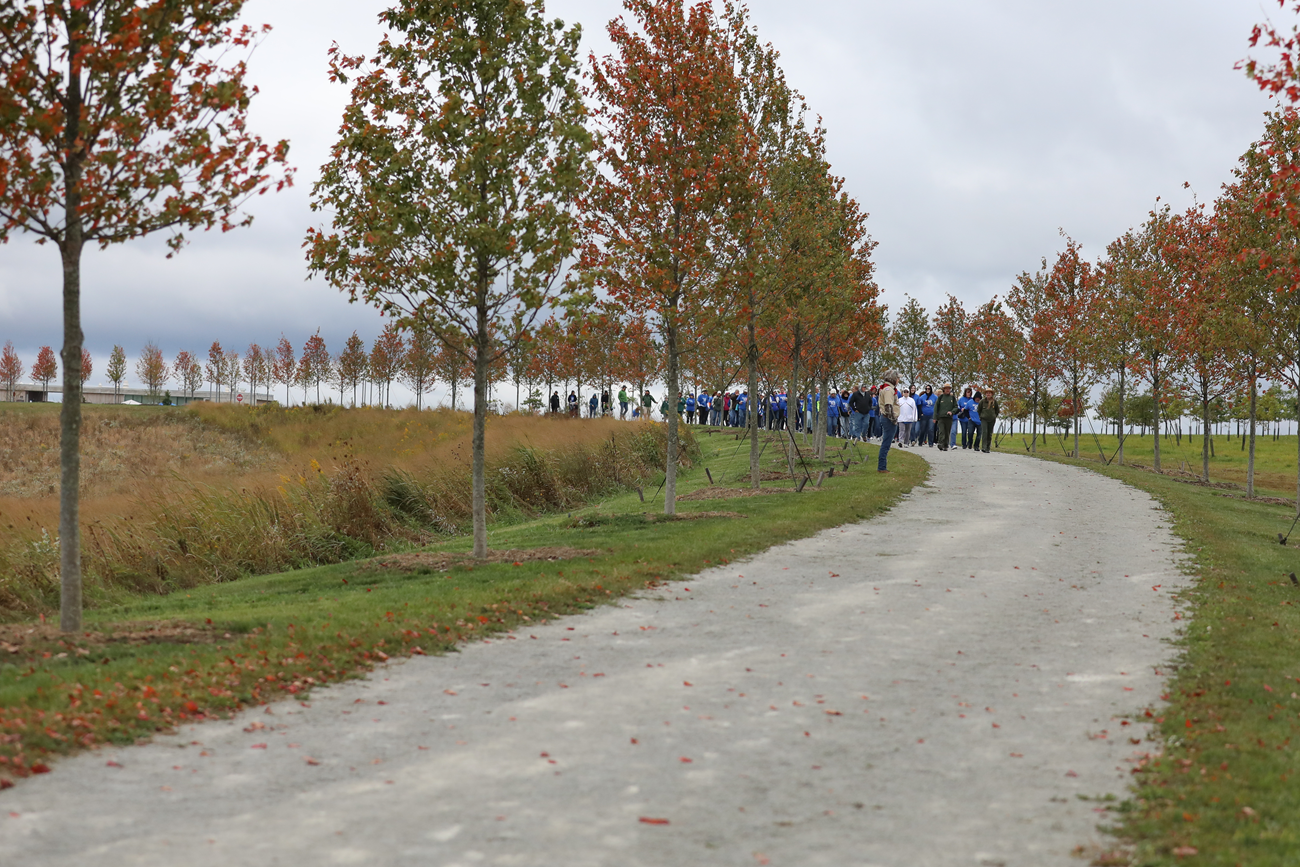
(932, 687)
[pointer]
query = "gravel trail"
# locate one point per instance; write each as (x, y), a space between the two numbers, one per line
(936, 686)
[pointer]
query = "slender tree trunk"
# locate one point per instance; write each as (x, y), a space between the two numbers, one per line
(1155, 408)
(1254, 400)
(70, 412)
(1121, 416)
(751, 417)
(482, 340)
(1075, 415)
(792, 396)
(674, 393)
(1205, 430)
(1033, 423)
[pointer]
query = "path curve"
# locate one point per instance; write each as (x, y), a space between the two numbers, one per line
(931, 687)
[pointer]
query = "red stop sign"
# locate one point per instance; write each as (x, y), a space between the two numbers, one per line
(239, 397)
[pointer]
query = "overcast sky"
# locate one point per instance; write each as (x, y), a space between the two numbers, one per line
(970, 130)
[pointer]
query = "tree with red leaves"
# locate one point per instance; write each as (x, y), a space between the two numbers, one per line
(189, 373)
(11, 369)
(45, 369)
(1069, 326)
(284, 365)
(118, 119)
(87, 366)
(662, 222)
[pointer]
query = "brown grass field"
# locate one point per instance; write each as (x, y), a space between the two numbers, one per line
(176, 497)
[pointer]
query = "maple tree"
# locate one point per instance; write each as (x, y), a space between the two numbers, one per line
(117, 370)
(385, 360)
(231, 372)
(998, 347)
(1028, 304)
(948, 354)
(87, 366)
(1259, 217)
(907, 340)
(215, 368)
(152, 368)
(45, 369)
(453, 182)
(662, 217)
(418, 364)
(1209, 323)
(314, 363)
(1067, 326)
(284, 365)
(352, 365)
(118, 119)
(11, 369)
(257, 369)
(189, 372)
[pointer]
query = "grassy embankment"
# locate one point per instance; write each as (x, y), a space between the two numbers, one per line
(1224, 789)
(249, 640)
(175, 499)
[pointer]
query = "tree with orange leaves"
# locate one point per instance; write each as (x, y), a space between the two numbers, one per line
(119, 119)
(661, 219)
(1028, 303)
(1068, 325)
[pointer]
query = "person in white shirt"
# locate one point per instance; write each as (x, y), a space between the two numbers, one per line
(906, 417)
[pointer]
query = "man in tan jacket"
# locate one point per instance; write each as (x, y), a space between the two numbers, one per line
(887, 398)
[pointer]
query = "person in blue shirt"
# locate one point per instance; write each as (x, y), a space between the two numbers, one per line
(969, 417)
(873, 417)
(690, 409)
(975, 418)
(832, 414)
(741, 404)
(782, 410)
(925, 416)
(592, 404)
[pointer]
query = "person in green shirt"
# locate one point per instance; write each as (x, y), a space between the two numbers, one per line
(622, 402)
(945, 409)
(647, 405)
(663, 409)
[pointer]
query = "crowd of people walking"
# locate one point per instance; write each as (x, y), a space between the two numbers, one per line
(904, 417)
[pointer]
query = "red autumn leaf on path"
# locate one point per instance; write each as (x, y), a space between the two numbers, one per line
(258, 747)
(832, 713)
(685, 760)
(112, 764)
(192, 706)
(6, 784)
(1017, 755)
(256, 726)
(644, 819)
(309, 760)
(40, 768)
(450, 691)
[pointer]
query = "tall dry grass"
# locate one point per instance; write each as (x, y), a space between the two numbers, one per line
(288, 488)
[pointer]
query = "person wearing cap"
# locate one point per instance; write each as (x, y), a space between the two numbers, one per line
(945, 409)
(906, 417)
(887, 401)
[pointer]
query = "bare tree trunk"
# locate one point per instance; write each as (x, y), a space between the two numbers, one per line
(1205, 443)
(670, 469)
(792, 396)
(1155, 408)
(1254, 400)
(751, 416)
(70, 412)
(1121, 415)
(482, 341)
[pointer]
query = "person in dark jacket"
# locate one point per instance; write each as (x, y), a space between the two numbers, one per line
(945, 410)
(988, 410)
(555, 402)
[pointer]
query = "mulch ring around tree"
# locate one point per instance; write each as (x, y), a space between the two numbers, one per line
(436, 561)
(45, 639)
(715, 493)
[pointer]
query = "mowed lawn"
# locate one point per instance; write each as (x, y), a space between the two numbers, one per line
(151, 662)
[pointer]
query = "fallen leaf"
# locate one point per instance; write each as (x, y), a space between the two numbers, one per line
(112, 764)
(1185, 851)
(450, 691)
(40, 768)
(685, 760)
(258, 747)
(309, 760)
(644, 820)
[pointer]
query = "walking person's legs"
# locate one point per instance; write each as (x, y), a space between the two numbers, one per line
(988, 434)
(945, 432)
(905, 436)
(887, 431)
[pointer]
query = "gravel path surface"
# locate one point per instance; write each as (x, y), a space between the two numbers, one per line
(932, 687)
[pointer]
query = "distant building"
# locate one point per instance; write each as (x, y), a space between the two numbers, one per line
(26, 392)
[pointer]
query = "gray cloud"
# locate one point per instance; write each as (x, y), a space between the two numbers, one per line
(969, 129)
